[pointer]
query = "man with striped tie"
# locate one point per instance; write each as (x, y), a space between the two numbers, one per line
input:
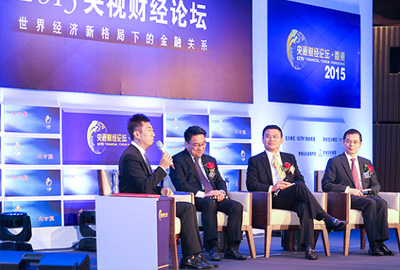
(277, 172)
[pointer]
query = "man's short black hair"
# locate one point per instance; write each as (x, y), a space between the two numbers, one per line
(135, 123)
(272, 127)
(352, 131)
(192, 131)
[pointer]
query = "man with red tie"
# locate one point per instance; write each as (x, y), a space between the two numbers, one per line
(198, 173)
(353, 174)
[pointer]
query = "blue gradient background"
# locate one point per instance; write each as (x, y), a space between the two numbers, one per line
(322, 28)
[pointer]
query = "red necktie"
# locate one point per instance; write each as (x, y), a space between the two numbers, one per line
(355, 174)
(204, 181)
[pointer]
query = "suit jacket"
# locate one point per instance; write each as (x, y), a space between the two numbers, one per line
(338, 175)
(135, 177)
(185, 177)
(259, 175)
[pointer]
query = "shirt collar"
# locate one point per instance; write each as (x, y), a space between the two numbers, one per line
(349, 157)
(142, 151)
(271, 155)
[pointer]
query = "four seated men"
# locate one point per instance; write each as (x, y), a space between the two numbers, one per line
(270, 171)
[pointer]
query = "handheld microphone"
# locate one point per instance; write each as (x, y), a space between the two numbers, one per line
(162, 148)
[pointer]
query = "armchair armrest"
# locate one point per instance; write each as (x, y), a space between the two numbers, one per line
(392, 198)
(262, 205)
(322, 199)
(339, 205)
(243, 197)
(184, 197)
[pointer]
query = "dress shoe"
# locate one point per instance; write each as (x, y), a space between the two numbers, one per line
(201, 258)
(233, 253)
(374, 250)
(311, 254)
(335, 225)
(194, 262)
(386, 251)
(214, 255)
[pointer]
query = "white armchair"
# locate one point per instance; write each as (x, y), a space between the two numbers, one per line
(339, 206)
(245, 198)
(267, 218)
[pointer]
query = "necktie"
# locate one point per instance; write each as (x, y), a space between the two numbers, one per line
(146, 160)
(275, 163)
(355, 174)
(204, 181)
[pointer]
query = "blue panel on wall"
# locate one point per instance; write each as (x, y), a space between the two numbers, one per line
(42, 213)
(313, 55)
(32, 183)
(80, 182)
(31, 151)
(28, 119)
(230, 153)
(228, 127)
(101, 138)
(178, 123)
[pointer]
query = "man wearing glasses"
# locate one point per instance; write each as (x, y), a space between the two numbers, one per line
(198, 173)
(277, 172)
(353, 174)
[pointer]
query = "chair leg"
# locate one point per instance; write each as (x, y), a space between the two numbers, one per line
(325, 241)
(397, 230)
(363, 238)
(268, 236)
(250, 241)
(346, 240)
(174, 252)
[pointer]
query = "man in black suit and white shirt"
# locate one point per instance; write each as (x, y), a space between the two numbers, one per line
(136, 176)
(198, 173)
(277, 172)
(353, 174)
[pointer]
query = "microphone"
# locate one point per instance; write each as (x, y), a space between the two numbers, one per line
(162, 148)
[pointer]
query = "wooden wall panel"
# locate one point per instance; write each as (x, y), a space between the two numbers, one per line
(386, 115)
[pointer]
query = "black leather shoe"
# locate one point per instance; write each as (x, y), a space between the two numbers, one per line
(310, 254)
(375, 251)
(214, 255)
(335, 225)
(194, 262)
(233, 253)
(386, 251)
(201, 258)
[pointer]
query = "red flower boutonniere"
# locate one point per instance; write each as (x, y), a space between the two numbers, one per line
(368, 169)
(288, 168)
(210, 169)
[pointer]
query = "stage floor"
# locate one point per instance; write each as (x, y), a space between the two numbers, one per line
(281, 259)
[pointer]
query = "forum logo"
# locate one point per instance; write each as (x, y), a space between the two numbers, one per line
(96, 130)
(295, 39)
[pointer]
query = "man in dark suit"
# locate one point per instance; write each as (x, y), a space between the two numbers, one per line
(353, 174)
(198, 173)
(136, 176)
(277, 172)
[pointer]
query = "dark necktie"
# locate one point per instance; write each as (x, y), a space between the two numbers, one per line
(355, 174)
(204, 181)
(146, 160)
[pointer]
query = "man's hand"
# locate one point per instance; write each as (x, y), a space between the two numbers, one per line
(354, 191)
(217, 194)
(281, 185)
(167, 192)
(166, 160)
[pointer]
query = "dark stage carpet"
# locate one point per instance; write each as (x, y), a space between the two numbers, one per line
(281, 259)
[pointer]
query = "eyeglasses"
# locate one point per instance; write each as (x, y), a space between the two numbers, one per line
(275, 137)
(352, 142)
(197, 145)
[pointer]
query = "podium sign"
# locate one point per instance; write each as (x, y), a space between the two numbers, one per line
(132, 232)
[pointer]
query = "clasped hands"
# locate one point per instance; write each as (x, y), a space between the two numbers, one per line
(281, 185)
(354, 191)
(218, 194)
